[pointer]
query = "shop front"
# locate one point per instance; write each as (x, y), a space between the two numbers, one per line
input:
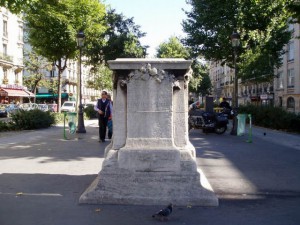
(14, 94)
(50, 97)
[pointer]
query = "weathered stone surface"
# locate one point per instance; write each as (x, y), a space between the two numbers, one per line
(150, 159)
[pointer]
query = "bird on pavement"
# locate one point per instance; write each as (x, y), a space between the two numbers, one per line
(163, 213)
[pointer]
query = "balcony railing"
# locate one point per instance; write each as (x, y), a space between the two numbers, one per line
(6, 57)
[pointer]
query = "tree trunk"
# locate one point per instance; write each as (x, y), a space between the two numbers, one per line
(59, 86)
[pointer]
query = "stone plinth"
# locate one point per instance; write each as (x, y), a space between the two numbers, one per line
(150, 159)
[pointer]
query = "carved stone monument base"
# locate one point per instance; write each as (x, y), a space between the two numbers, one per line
(114, 185)
(150, 160)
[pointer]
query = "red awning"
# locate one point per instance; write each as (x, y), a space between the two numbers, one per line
(30, 94)
(15, 93)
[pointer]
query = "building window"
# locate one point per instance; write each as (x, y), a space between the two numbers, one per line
(291, 78)
(291, 51)
(280, 101)
(5, 49)
(280, 80)
(16, 78)
(5, 34)
(5, 78)
(20, 35)
(290, 103)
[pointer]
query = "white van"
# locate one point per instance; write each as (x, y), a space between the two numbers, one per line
(68, 106)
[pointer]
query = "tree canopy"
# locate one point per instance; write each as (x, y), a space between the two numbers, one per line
(262, 25)
(15, 6)
(172, 48)
(294, 8)
(52, 27)
(122, 37)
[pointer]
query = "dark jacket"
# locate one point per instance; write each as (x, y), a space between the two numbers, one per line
(104, 107)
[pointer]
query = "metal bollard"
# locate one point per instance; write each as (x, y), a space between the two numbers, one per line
(250, 129)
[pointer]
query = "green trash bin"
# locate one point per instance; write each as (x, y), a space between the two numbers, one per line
(241, 127)
(70, 118)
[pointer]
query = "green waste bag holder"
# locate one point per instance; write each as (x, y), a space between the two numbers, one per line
(70, 119)
(241, 126)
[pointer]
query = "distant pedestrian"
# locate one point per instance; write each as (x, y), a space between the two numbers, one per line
(225, 104)
(226, 108)
(104, 112)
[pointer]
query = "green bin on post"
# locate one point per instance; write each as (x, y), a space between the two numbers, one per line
(241, 126)
(70, 117)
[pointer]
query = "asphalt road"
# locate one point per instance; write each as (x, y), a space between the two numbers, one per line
(42, 176)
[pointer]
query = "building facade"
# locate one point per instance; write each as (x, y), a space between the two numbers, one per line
(283, 91)
(11, 58)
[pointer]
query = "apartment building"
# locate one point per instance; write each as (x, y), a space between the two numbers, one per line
(69, 81)
(283, 91)
(11, 58)
(287, 81)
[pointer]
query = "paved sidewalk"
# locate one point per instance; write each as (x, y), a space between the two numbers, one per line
(42, 176)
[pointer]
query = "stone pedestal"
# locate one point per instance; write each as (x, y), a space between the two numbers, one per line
(150, 160)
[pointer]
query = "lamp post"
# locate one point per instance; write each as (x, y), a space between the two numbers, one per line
(80, 126)
(235, 41)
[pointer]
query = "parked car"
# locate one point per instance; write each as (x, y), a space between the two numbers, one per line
(68, 106)
(3, 112)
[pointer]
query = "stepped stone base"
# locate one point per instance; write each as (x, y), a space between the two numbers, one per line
(116, 185)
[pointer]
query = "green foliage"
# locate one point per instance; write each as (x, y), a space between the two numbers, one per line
(53, 26)
(122, 38)
(33, 119)
(15, 6)
(272, 117)
(200, 82)
(90, 112)
(35, 65)
(261, 24)
(294, 8)
(7, 126)
(58, 118)
(172, 49)
(100, 78)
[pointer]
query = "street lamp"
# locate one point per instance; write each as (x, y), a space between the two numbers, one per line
(80, 126)
(235, 41)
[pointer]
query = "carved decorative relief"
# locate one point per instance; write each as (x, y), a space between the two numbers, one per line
(148, 72)
(187, 77)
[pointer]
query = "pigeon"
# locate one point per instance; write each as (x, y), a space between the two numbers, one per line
(163, 213)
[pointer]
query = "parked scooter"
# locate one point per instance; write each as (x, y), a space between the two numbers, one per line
(207, 121)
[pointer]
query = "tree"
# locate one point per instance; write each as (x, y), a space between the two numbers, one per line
(35, 65)
(53, 25)
(100, 78)
(172, 49)
(200, 82)
(122, 38)
(294, 8)
(15, 6)
(262, 25)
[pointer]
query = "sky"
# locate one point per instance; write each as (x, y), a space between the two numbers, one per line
(160, 19)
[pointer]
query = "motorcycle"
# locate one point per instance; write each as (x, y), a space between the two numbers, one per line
(208, 121)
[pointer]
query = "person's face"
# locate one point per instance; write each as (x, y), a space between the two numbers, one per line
(103, 95)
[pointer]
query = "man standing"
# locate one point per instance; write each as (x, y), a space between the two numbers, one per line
(104, 112)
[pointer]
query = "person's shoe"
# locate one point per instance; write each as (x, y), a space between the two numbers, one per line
(103, 140)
